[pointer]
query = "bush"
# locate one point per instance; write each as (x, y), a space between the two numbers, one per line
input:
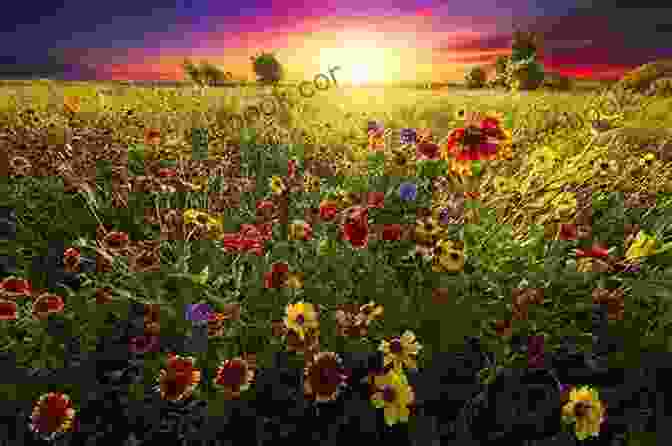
(475, 78)
(642, 77)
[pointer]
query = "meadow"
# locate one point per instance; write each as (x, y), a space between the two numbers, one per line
(168, 199)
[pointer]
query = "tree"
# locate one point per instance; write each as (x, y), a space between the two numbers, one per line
(267, 68)
(475, 78)
(203, 75)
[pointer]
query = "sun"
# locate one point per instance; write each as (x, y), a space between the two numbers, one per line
(359, 75)
(360, 63)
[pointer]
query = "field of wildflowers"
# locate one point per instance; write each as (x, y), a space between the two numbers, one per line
(507, 283)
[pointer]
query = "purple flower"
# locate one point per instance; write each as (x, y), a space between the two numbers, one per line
(535, 352)
(144, 344)
(197, 312)
(632, 268)
(408, 191)
(408, 136)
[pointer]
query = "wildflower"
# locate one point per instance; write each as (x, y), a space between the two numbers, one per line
(448, 256)
(294, 280)
(179, 379)
(7, 310)
(401, 351)
(427, 151)
(408, 136)
(568, 231)
(46, 304)
(301, 317)
(408, 191)
(234, 376)
(424, 135)
(300, 230)
(325, 377)
(647, 160)
(613, 299)
(585, 410)
(12, 288)
(291, 169)
(202, 220)
(376, 140)
(394, 395)
(152, 136)
(197, 312)
(52, 415)
(356, 228)
(644, 245)
(476, 142)
(144, 344)
(277, 185)
(265, 209)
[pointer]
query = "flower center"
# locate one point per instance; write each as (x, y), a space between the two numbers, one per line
(389, 394)
(472, 136)
(454, 256)
(395, 346)
(300, 319)
(581, 409)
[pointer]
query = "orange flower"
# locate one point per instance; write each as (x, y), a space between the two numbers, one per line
(234, 376)
(325, 377)
(179, 379)
(13, 287)
(7, 310)
(47, 303)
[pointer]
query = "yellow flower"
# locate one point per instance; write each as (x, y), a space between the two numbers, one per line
(643, 246)
(585, 410)
(401, 351)
(394, 395)
(448, 256)
(604, 168)
(301, 316)
(427, 230)
(203, 220)
(647, 160)
(277, 185)
(300, 230)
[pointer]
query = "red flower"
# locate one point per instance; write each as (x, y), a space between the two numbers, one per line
(568, 231)
(265, 205)
(427, 151)
(277, 277)
(179, 379)
(144, 344)
(116, 240)
(356, 228)
(597, 251)
(52, 414)
(46, 304)
(167, 172)
(13, 287)
(392, 232)
(234, 375)
(7, 310)
(328, 210)
(475, 142)
(376, 199)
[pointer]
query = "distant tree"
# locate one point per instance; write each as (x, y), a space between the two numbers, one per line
(206, 74)
(267, 68)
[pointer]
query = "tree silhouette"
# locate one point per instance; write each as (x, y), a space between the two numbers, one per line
(267, 68)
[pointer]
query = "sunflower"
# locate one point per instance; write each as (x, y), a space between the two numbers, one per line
(179, 379)
(325, 378)
(644, 245)
(311, 183)
(585, 410)
(301, 317)
(401, 351)
(394, 395)
(52, 415)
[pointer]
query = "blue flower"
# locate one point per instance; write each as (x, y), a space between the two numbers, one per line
(197, 312)
(408, 191)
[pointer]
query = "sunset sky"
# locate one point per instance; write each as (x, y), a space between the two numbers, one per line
(372, 41)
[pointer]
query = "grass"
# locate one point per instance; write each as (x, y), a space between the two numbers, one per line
(507, 246)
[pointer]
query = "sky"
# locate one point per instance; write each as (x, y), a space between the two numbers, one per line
(373, 41)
